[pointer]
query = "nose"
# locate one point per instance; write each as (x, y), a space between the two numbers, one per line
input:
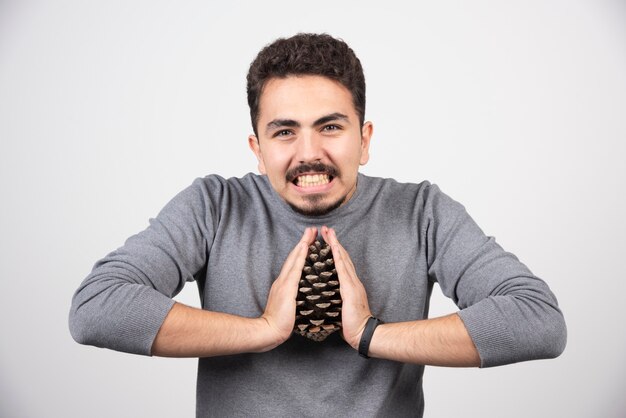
(309, 148)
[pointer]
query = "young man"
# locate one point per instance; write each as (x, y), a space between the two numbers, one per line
(238, 238)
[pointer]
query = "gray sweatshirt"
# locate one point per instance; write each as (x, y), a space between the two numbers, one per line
(232, 236)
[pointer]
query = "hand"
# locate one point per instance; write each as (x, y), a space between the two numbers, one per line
(355, 310)
(280, 310)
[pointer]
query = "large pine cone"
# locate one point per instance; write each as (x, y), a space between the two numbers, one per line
(318, 304)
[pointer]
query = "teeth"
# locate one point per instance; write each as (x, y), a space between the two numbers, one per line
(311, 180)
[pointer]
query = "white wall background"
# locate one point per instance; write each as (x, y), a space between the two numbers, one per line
(107, 109)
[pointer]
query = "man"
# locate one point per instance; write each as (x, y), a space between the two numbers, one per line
(242, 240)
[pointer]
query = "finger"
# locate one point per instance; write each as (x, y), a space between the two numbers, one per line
(303, 247)
(328, 238)
(343, 268)
(343, 271)
(333, 236)
(312, 235)
(325, 235)
(299, 252)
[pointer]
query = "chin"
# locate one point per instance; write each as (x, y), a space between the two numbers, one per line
(315, 206)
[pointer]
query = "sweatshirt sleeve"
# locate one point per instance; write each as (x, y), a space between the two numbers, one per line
(123, 302)
(510, 314)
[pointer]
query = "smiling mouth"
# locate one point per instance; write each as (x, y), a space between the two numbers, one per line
(312, 175)
(312, 180)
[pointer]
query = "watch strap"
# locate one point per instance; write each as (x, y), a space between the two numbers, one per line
(366, 337)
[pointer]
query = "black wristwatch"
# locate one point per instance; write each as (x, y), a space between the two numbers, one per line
(366, 337)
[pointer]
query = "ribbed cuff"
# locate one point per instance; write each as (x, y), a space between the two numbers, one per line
(142, 323)
(488, 329)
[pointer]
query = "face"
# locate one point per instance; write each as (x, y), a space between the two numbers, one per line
(310, 142)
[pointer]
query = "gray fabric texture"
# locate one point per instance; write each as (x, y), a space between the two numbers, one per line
(232, 236)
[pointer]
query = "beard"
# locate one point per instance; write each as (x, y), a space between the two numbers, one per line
(314, 205)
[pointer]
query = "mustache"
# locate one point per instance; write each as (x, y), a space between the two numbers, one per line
(316, 167)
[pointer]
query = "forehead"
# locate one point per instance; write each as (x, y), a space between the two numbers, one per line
(304, 98)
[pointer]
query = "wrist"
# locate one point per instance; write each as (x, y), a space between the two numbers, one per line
(269, 337)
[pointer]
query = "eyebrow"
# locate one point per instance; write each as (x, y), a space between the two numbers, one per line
(290, 123)
(281, 123)
(330, 118)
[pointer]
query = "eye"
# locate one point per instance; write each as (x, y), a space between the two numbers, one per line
(282, 133)
(331, 128)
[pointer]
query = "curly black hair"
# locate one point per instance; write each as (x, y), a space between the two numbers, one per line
(306, 54)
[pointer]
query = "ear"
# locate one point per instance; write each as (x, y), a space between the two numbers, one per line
(366, 135)
(253, 143)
